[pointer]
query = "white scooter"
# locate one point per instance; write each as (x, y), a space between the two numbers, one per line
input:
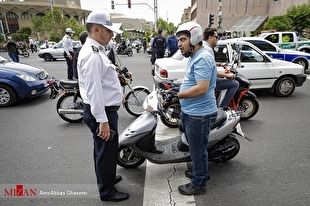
(138, 141)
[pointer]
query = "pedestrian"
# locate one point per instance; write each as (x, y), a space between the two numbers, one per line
(225, 80)
(102, 94)
(198, 103)
(83, 36)
(153, 54)
(159, 44)
(144, 44)
(32, 44)
(68, 52)
(172, 44)
(46, 43)
(12, 47)
(224, 37)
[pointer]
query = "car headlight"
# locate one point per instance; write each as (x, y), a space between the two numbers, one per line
(26, 77)
(42, 74)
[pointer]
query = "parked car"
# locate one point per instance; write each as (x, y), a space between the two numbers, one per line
(20, 81)
(50, 45)
(276, 52)
(56, 52)
(278, 76)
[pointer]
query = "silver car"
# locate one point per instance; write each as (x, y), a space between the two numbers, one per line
(56, 52)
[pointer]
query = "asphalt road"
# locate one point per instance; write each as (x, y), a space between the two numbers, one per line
(42, 152)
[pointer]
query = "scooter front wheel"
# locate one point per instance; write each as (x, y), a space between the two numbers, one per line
(129, 158)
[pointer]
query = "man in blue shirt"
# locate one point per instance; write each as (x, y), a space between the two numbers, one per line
(198, 103)
(172, 44)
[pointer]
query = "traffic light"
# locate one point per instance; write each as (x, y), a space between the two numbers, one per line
(112, 4)
(5, 29)
(211, 20)
(129, 4)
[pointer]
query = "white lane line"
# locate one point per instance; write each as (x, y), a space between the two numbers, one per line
(162, 180)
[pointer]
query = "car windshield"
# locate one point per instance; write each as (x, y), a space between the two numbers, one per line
(3, 60)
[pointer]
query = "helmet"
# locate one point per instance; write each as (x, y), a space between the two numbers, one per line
(193, 30)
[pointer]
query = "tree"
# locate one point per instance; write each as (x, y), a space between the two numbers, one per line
(299, 17)
(296, 19)
(54, 24)
(279, 23)
(165, 26)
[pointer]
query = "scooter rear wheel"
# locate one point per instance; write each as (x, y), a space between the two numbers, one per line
(248, 107)
(129, 158)
(134, 101)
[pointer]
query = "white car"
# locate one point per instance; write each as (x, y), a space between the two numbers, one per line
(278, 76)
(56, 52)
(50, 45)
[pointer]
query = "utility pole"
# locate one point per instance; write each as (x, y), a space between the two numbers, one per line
(219, 28)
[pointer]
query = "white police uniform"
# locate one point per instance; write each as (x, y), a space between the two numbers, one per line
(94, 68)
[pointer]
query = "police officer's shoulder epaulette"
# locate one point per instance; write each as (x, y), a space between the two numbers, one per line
(95, 48)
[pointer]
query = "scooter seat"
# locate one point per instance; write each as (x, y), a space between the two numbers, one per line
(220, 119)
(69, 84)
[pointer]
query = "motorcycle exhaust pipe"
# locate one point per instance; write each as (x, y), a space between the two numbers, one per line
(70, 111)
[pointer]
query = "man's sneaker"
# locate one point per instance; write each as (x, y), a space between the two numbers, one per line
(188, 174)
(188, 189)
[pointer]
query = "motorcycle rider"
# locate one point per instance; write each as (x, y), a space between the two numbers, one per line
(122, 47)
(198, 103)
(225, 80)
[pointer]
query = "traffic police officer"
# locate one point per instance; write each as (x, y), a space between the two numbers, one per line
(102, 95)
(68, 51)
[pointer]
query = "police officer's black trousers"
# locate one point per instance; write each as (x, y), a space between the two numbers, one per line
(105, 153)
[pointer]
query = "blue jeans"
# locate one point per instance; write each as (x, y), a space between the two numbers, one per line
(14, 57)
(197, 129)
(231, 86)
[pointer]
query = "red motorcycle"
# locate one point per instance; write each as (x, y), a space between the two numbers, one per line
(244, 101)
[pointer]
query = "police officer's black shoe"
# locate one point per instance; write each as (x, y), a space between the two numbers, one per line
(118, 178)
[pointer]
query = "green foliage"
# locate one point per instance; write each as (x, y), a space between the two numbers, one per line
(165, 26)
(295, 19)
(299, 17)
(25, 30)
(53, 24)
(280, 23)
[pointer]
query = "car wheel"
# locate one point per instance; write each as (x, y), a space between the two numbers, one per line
(302, 62)
(284, 87)
(47, 57)
(7, 96)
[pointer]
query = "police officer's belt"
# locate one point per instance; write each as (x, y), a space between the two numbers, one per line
(108, 108)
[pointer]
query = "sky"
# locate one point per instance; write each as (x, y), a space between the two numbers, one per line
(167, 9)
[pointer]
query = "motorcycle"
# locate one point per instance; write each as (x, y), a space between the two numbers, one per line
(127, 51)
(137, 142)
(70, 104)
(244, 101)
(22, 50)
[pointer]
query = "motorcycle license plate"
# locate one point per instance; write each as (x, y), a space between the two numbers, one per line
(239, 130)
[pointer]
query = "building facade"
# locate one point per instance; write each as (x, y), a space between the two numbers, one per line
(233, 11)
(18, 13)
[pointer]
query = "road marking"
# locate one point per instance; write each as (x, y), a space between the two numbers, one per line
(162, 180)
